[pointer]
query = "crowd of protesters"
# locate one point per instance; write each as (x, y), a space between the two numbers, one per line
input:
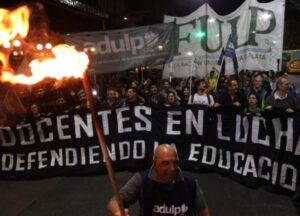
(251, 92)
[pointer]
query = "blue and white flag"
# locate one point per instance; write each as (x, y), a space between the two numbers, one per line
(230, 52)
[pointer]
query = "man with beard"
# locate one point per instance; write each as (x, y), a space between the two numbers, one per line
(61, 106)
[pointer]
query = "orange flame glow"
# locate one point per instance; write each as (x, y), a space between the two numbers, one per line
(14, 23)
(66, 61)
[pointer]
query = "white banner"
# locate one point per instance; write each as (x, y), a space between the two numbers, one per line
(256, 29)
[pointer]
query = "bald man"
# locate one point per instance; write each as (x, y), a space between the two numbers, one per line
(162, 190)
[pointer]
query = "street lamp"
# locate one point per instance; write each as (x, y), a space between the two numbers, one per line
(265, 16)
(199, 34)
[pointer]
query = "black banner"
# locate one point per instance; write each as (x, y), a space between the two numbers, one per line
(253, 150)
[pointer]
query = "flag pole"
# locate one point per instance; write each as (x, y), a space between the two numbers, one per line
(219, 75)
(191, 73)
(191, 70)
(101, 141)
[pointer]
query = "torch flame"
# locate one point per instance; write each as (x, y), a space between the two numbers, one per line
(67, 62)
(14, 23)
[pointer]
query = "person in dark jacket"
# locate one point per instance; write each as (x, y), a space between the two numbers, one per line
(154, 97)
(231, 96)
(132, 98)
(162, 189)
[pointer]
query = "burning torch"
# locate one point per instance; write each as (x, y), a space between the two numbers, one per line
(65, 62)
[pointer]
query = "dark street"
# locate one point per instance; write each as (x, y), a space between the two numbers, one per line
(89, 195)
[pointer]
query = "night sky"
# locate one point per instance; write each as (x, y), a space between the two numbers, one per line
(185, 7)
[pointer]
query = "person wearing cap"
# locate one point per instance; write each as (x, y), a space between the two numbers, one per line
(163, 190)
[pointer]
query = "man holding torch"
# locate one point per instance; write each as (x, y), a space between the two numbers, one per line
(163, 190)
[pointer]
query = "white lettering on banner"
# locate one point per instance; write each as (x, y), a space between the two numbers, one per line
(261, 165)
(127, 150)
(139, 146)
(190, 121)
(3, 136)
(171, 122)
(45, 127)
(197, 123)
(288, 134)
(56, 158)
(283, 177)
(71, 157)
(194, 152)
(124, 150)
(104, 118)
(94, 155)
(138, 113)
(20, 162)
(244, 164)
(83, 157)
(108, 46)
(122, 119)
(41, 133)
(26, 140)
(297, 149)
(31, 159)
(238, 129)
(61, 127)
(80, 124)
(42, 157)
(112, 152)
(7, 162)
(227, 159)
(219, 129)
(249, 166)
(274, 172)
(238, 157)
(141, 121)
(49, 158)
(209, 155)
(256, 123)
